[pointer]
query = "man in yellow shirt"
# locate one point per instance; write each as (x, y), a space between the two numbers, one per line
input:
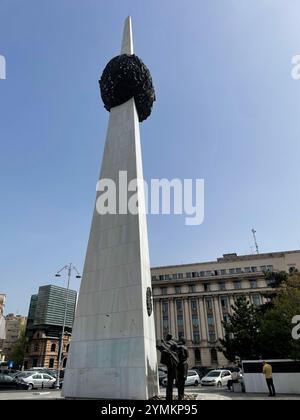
(267, 371)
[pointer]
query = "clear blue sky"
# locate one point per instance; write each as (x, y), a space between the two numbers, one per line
(227, 111)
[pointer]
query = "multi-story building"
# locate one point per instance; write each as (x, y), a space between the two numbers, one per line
(2, 324)
(14, 324)
(44, 326)
(192, 300)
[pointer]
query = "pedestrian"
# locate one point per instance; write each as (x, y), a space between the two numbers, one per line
(267, 371)
(182, 367)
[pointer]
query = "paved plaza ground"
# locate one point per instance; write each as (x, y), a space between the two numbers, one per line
(202, 393)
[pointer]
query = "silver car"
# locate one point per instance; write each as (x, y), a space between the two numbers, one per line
(218, 377)
(192, 379)
(35, 380)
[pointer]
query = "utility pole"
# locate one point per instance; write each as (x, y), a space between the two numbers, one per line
(69, 268)
(255, 241)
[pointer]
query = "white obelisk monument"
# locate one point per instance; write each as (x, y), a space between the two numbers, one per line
(113, 347)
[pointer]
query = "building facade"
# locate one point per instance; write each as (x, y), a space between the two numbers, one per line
(45, 324)
(14, 325)
(2, 324)
(192, 300)
(42, 350)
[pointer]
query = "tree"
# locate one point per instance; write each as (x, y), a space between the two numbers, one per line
(275, 339)
(275, 280)
(241, 332)
(17, 352)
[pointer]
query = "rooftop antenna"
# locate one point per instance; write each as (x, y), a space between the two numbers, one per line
(255, 241)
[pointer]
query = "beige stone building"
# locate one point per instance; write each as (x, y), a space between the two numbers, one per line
(192, 300)
(13, 327)
(2, 324)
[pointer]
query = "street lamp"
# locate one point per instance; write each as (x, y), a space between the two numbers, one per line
(69, 268)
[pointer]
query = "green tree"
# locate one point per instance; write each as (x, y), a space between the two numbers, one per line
(275, 280)
(17, 352)
(241, 332)
(275, 339)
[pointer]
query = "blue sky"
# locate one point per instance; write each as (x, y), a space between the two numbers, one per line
(227, 111)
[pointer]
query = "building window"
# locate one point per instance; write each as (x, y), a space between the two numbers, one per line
(237, 284)
(179, 313)
(231, 270)
(167, 277)
(202, 273)
(253, 269)
(198, 356)
(161, 277)
(65, 362)
(226, 318)
(177, 289)
(247, 270)
(180, 275)
(34, 362)
(238, 270)
(206, 287)
(189, 275)
(51, 363)
(36, 347)
(224, 303)
(222, 285)
(255, 300)
(195, 274)
(223, 272)
(210, 320)
(263, 268)
(68, 346)
(163, 290)
(192, 288)
(253, 284)
(270, 282)
(211, 328)
(175, 276)
(53, 347)
(195, 321)
(153, 278)
(270, 267)
(165, 317)
(208, 304)
(193, 305)
(214, 356)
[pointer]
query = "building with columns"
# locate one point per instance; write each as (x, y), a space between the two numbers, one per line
(192, 300)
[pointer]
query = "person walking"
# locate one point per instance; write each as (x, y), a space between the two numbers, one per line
(267, 371)
(182, 367)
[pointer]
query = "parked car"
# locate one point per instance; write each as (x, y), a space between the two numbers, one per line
(35, 380)
(218, 377)
(192, 379)
(7, 382)
(162, 374)
(202, 371)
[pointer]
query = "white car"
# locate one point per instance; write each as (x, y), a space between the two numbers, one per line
(192, 379)
(35, 380)
(218, 377)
